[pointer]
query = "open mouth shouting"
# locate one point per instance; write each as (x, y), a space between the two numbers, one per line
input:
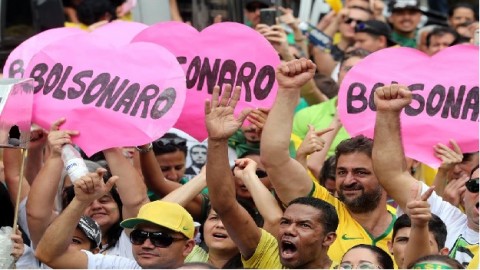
(288, 250)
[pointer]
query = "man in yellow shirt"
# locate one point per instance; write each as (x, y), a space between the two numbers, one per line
(306, 229)
(361, 206)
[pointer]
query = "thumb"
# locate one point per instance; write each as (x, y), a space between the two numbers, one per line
(311, 128)
(110, 183)
(243, 115)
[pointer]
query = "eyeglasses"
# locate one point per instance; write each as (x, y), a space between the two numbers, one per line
(158, 239)
(472, 185)
(349, 20)
(171, 141)
(361, 265)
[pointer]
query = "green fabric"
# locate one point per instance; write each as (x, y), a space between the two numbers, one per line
(320, 116)
(404, 41)
(239, 143)
(301, 105)
(198, 254)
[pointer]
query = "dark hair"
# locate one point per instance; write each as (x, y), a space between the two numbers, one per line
(327, 171)
(442, 258)
(92, 11)
(114, 233)
(197, 145)
(360, 53)
(473, 170)
(383, 258)
(357, 144)
(169, 143)
(326, 85)
(436, 226)
(441, 31)
(328, 214)
(462, 5)
(469, 156)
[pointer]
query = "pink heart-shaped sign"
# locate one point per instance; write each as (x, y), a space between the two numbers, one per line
(224, 53)
(120, 32)
(115, 96)
(445, 97)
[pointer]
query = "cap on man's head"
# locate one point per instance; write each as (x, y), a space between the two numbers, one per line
(375, 27)
(254, 4)
(91, 229)
(165, 214)
(404, 4)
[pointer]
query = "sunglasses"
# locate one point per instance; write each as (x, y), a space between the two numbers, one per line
(171, 141)
(158, 239)
(472, 185)
(362, 265)
(350, 20)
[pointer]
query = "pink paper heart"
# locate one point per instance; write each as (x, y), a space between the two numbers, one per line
(115, 96)
(229, 48)
(452, 73)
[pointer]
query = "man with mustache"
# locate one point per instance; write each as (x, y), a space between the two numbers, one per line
(361, 206)
(405, 18)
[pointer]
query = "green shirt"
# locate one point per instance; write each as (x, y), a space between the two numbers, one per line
(404, 41)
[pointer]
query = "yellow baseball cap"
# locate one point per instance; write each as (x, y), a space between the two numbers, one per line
(165, 214)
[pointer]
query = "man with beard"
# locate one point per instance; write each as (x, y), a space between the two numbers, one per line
(389, 160)
(405, 18)
(307, 227)
(361, 206)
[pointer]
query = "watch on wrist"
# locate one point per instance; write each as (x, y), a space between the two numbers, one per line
(144, 150)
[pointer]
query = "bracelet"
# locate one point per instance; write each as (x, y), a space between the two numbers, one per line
(144, 150)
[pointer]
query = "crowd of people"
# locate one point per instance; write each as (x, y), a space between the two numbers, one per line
(279, 187)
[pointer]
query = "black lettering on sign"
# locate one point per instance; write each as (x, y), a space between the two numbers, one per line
(416, 98)
(195, 68)
(59, 93)
(77, 79)
(244, 79)
(37, 74)
(148, 93)
(102, 80)
(208, 73)
(227, 75)
(437, 91)
(110, 95)
(351, 98)
(371, 101)
(53, 78)
(127, 98)
(182, 60)
(471, 104)
(265, 72)
(16, 67)
(168, 96)
(452, 106)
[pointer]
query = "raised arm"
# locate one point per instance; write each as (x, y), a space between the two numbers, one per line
(156, 182)
(41, 199)
(291, 76)
(38, 139)
(189, 191)
(53, 249)
(418, 209)
(221, 124)
(130, 186)
(388, 156)
(449, 157)
(262, 197)
(312, 143)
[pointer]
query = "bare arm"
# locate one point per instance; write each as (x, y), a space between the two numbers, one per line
(186, 193)
(157, 183)
(41, 199)
(174, 12)
(12, 159)
(276, 134)
(267, 204)
(130, 186)
(418, 210)
(35, 154)
(221, 124)
(388, 156)
(53, 249)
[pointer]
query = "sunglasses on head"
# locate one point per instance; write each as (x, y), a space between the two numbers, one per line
(472, 185)
(349, 20)
(171, 141)
(158, 239)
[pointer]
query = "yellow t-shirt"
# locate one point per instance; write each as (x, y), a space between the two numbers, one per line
(266, 255)
(474, 262)
(349, 232)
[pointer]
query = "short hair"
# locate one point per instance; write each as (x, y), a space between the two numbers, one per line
(436, 226)
(327, 171)
(462, 5)
(427, 28)
(92, 11)
(326, 85)
(169, 143)
(357, 144)
(441, 31)
(197, 146)
(328, 214)
(383, 258)
(442, 258)
(360, 53)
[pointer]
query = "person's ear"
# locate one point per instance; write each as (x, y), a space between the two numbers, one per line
(95, 250)
(390, 247)
(443, 251)
(188, 247)
(329, 239)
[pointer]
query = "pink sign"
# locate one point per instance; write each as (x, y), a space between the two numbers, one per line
(115, 96)
(19, 58)
(224, 53)
(119, 32)
(445, 97)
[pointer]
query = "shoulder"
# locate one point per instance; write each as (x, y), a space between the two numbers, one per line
(100, 261)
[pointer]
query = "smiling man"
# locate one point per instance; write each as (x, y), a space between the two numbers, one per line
(405, 18)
